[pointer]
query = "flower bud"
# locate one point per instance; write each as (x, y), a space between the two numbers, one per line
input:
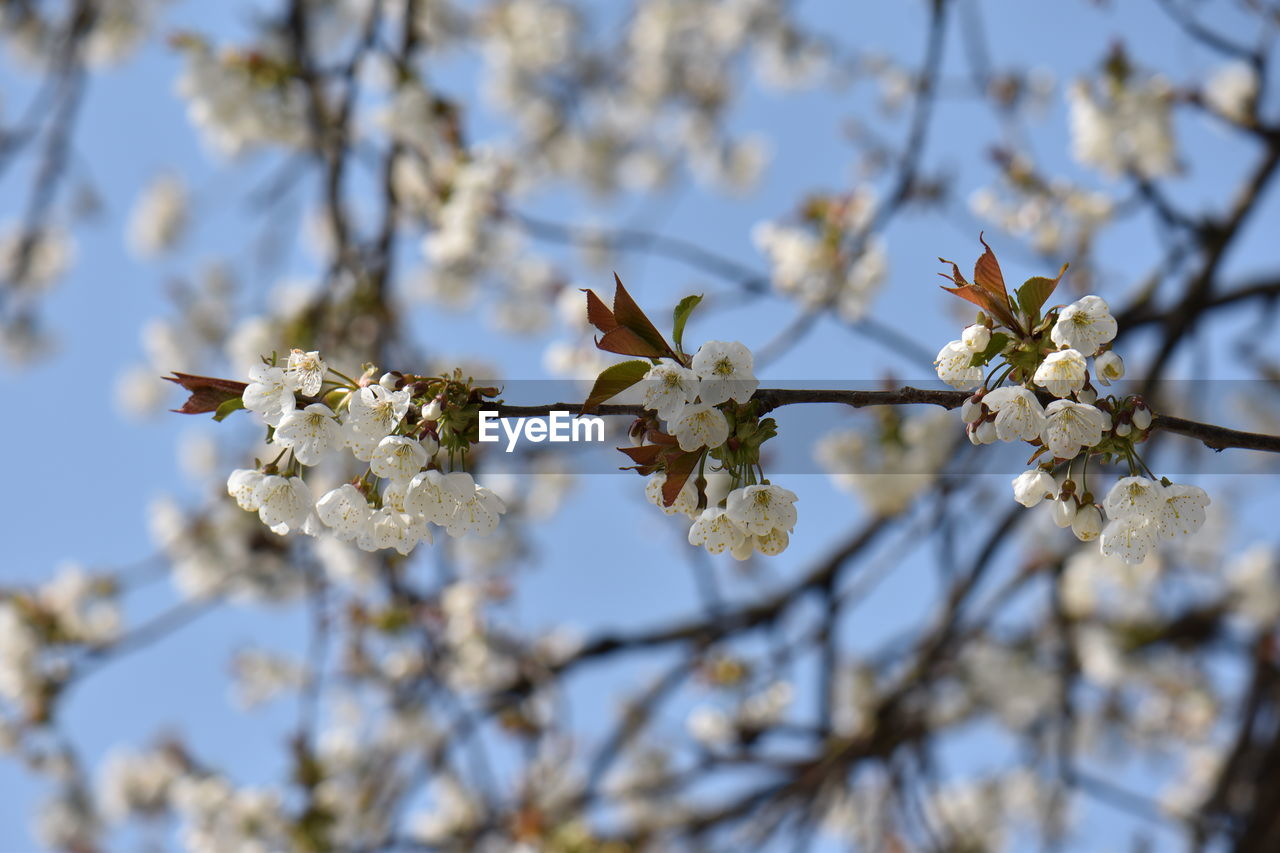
(1109, 367)
(986, 432)
(1142, 417)
(432, 411)
(971, 411)
(1064, 512)
(1123, 429)
(388, 381)
(1087, 524)
(1087, 395)
(976, 337)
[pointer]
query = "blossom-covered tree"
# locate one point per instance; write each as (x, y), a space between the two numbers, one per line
(836, 591)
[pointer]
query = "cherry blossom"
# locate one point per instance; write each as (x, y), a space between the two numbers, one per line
(1070, 426)
(345, 511)
(310, 433)
(1062, 373)
(398, 457)
(716, 531)
(269, 393)
(1032, 487)
(700, 425)
(1108, 367)
(284, 503)
(954, 368)
(725, 370)
(1084, 325)
(1019, 415)
(762, 509)
(306, 371)
(669, 388)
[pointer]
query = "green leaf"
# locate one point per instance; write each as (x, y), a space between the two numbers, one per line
(612, 381)
(682, 312)
(998, 342)
(1035, 292)
(235, 404)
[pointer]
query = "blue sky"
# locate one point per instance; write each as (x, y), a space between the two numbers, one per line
(80, 485)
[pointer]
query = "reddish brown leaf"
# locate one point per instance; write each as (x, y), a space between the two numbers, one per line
(678, 468)
(627, 313)
(987, 275)
(955, 273)
(624, 341)
(985, 301)
(598, 314)
(207, 392)
(645, 456)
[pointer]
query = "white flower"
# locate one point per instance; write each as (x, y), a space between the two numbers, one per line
(1180, 510)
(311, 433)
(243, 486)
(725, 370)
(1031, 487)
(1132, 128)
(390, 528)
(284, 503)
(1064, 512)
(159, 217)
(1109, 368)
(476, 512)
(953, 366)
(1062, 373)
(760, 510)
(398, 457)
(715, 531)
(1087, 524)
(1084, 325)
(772, 543)
(1019, 415)
(435, 497)
(1070, 426)
(1133, 496)
(374, 413)
(669, 388)
(686, 501)
(976, 337)
(1130, 538)
(1232, 91)
(268, 393)
(306, 371)
(701, 425)
(345, 511)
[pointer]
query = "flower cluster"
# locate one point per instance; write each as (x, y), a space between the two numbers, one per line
(1047, 358)
(408, 430)
(705, 407)
(687, 397)
(826, 260)
(1128, 125)
(699, 440)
